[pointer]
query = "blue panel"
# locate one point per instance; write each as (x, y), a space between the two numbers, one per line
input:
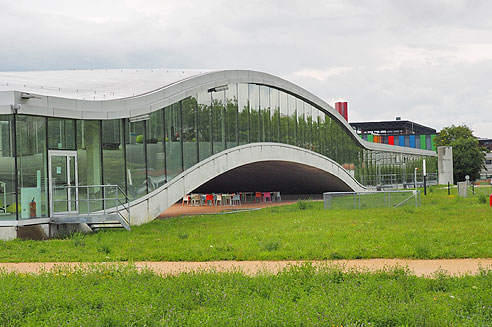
(401, 140)
(412, 141)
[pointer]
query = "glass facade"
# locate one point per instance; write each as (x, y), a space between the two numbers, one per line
(142, 155)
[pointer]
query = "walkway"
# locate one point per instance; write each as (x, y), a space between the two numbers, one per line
(177, 210)
(417, 267)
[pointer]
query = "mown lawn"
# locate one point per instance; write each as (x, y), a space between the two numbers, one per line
(444, 227)
(298, 296)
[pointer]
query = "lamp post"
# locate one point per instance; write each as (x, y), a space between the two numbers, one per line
(425, 177)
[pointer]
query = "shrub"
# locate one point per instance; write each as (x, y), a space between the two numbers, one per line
(482, 199)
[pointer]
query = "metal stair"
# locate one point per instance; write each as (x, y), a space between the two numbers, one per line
(97, 218)
(95, 222)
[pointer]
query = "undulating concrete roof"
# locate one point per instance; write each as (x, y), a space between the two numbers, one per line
(100, 84)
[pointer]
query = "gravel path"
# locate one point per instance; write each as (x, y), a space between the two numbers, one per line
(417, 267)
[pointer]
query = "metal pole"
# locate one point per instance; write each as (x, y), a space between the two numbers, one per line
(449, 191)
(425, 185)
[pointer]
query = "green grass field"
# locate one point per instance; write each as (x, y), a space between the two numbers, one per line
(444, 227)
(300, 296)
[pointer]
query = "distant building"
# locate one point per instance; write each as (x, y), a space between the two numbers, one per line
(397, 132)
(486, 174)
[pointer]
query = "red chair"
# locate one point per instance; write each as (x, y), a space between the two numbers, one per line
(258, 197)
(209, 197)
(267, 197)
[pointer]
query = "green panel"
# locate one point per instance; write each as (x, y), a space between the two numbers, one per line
(370, 138)
(433, 144)
(422, 142)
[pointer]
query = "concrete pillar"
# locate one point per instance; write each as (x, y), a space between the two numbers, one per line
(445, 165)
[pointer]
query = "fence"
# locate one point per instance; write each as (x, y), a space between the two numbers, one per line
(376, 199)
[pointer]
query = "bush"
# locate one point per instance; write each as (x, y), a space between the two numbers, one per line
(482, 199)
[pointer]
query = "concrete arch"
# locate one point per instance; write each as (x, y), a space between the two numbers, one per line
(150, 206)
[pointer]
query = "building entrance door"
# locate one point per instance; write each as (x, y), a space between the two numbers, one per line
(63, 182)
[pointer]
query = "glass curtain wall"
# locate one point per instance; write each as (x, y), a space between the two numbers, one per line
(218, 121)
(174, 153)
(204, 125)
(266, 117)
(232, 136)
(89, 160)
(141, 156)
(243, 113)
(190, 144)
(32, 168)
(156, 158)
(135, 159)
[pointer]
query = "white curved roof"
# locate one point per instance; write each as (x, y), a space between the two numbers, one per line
(112, 94)
(100, 84)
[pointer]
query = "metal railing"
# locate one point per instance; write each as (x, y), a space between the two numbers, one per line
(366, 200)
(95, 202)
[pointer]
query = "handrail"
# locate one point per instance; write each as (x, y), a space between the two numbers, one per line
(125, 205)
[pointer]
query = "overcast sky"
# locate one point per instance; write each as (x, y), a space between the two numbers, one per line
(426, 61)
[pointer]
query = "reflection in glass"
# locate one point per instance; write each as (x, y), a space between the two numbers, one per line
(204, 125)
(89, 163)
(218, 121)
(156, 157)
(174, 155)
(113, 153)
(135, 159)
(31, 164)
(190, 144)
(265, 115)
(292, 120)
(275, 114)
(61, 133)
(243, 113)
(254, 113)
(284, 118)
(231, 116)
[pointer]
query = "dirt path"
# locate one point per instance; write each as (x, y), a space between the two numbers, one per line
(417, 267)
(177, 210)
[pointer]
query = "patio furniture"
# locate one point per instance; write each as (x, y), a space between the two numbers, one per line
(267, 197)
(209, 198)
(227, 198)
(186, 199)
(236, 200)
(277, 197)
(258, 197)
(196, 199)
(218, 198)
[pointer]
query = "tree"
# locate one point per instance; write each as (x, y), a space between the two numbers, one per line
(468, 155)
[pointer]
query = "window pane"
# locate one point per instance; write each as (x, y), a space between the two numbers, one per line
(156, 170)
(174, 164)
(135, 159)
(266, 123)
(301, 125)
(61, 133)
(292, 120)
(231, 121)
(243, 113)
(254, 106)
(275, 114)
(31, 161)
(308, 132)
(89, 164)
(204, 125)
(284, 118)
(190, 154)
(113, 153)
(218, 119)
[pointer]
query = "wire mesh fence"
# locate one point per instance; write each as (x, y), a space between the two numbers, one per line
(375, 199)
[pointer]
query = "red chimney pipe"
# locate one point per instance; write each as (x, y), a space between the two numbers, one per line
(342, 109)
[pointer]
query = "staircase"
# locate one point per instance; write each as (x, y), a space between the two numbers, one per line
(115, 217)
(95, 222)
